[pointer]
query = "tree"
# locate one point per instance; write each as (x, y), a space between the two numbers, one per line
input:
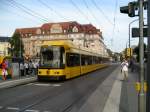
(17, 47)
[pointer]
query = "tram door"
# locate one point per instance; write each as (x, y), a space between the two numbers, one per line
(73, 64)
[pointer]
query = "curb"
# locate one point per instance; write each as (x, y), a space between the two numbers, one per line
(13, 83)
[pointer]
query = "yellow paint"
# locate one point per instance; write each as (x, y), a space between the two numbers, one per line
(50, 72)
(70, 72)
(145, 86)
(138, 86)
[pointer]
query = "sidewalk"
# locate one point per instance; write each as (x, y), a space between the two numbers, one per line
(113, 95)
(17, 81)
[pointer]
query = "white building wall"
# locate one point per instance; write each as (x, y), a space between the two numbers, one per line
(4, 48)
(91, 41)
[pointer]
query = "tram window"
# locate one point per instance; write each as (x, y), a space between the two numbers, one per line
(94, 62)
(86, 60)
(73, 59)
(52, 56)
(89, 60)
(100, 60)
(82, 60)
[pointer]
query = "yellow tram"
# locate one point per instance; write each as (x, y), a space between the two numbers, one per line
(62, 60)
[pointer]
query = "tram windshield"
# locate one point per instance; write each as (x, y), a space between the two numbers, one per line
(52, 57)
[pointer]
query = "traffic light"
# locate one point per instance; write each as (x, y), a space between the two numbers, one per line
(130, 9)
(129, 52)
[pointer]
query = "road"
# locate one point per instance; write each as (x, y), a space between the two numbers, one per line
(52, 96)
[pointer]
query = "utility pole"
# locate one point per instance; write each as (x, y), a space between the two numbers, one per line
(148, 61)
(130, 10)
(141, 94)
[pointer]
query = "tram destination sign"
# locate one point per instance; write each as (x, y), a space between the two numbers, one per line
(136, 32)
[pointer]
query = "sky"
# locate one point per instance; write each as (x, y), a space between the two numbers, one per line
(103, 14)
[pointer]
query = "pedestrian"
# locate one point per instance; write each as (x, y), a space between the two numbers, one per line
(34, 67)
(26, 65)
(21, 69)
(30, 67)
(4, 69)
(132, 64)
(124, 69)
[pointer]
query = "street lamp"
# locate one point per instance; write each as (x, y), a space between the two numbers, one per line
(129, 33)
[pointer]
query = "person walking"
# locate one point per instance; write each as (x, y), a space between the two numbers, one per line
(4, 69)
(30, 68)
(124, 69)
(26, 65)
(21, 69)
(132, 64)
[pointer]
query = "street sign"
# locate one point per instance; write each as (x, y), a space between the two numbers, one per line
(135, 32)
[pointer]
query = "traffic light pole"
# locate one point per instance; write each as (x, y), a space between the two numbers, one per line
(141, 95)
(148, 61)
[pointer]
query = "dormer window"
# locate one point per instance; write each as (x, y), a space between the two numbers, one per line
(75, 29)
(38, 31)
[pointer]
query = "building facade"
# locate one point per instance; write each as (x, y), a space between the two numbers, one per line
(4, 46)
(84, 35)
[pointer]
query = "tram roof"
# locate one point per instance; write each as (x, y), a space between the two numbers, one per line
(69, 44)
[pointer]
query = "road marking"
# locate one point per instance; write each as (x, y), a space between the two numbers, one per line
(42, 84)
(31, 110)
(55, 85)
(47, 111)
(30, 84)
(113, 101)
(13, 108)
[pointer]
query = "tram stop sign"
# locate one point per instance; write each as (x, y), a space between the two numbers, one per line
(136, 32)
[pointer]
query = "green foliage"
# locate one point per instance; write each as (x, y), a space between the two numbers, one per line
(17, 48)
(136, 51)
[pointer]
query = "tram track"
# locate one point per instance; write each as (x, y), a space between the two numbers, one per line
(71, 105)
(60, 91)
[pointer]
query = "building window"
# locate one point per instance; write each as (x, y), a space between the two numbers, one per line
(56, 28)
(75, 29)
(38, 31)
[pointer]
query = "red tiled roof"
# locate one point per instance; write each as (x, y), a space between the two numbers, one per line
(27, 30)
(86, 28)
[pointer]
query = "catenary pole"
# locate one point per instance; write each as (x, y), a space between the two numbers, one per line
(148, 61)
(141, 94)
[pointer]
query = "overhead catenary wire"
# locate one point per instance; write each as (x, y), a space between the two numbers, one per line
(101, 11)
(88, 8)
(51, 9)
(18, 14)
(114, 24)
(27, 10)
(92, 14)
(82, 13)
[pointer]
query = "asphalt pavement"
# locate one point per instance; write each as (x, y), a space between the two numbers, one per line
(94, 92)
